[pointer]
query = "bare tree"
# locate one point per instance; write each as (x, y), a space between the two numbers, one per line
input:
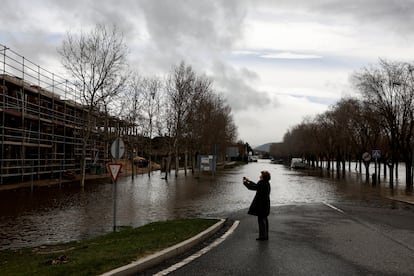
(216, 127)
(388, 90)
(194, 123)
(382, 119)
(131, 112)
(151, 97)
(346, 129)
(197, 118)
(96, 62)
(180, 91)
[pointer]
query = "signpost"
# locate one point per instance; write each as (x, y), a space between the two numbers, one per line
(117, 151)
(207, 163)
(376, 154)
(114, 169)
(366, 157)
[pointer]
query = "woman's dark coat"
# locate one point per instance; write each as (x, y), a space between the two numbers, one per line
(261, 202)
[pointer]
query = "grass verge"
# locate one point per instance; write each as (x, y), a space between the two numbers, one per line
(101, 254)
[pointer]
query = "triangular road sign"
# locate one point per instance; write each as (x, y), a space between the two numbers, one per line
(114, 169)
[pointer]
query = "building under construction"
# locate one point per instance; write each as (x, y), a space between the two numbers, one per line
(42, 124)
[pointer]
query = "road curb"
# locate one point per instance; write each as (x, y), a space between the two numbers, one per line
(168, 253)
(404, 200)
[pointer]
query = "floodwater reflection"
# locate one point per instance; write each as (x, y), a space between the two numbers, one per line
(64, 214)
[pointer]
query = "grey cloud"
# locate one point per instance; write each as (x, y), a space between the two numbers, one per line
(21, 31)
(392, 16)
(237, 87)
(395, 16)
(198, 32)
(35, 47)
(195, 31)
(215, 23)
(8, 18)
(90, 12)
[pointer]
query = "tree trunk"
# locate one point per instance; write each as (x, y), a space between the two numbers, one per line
(149, 166)
(338, 167)
(408, 176)
(150, 158)
(366, 171)
(177, 162)
(132, 162)
(396, 170)
(84, 147)
(391, 175)
(192, 162)
(185, 162)
(168, 165)
(379, 172)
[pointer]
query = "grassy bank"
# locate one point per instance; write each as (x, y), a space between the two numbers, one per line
(101, 254)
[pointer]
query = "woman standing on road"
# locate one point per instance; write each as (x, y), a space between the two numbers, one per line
(260, 206)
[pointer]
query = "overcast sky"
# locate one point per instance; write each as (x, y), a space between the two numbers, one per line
(275, 62)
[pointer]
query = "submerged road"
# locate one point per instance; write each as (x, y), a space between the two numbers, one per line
(53, 214)
(314, 239)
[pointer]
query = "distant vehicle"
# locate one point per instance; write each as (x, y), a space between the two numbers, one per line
(298, 163)
(276, 161)
(253, 158)
(141, 162)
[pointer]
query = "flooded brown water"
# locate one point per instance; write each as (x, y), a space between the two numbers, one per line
(50, 215)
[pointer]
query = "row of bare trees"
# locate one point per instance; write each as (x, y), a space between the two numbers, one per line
(183, 107)
(96, 62)
(381, 118)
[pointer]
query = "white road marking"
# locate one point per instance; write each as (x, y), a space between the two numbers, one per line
(333, 207)
(200, 252)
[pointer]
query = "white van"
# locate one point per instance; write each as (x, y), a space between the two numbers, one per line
(297, 163)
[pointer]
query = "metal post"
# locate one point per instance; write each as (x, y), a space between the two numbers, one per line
(199, 165)
(132, 163)
(412, 167)
(31, 177)
(3, 117)
(115, 186)
(115, 194)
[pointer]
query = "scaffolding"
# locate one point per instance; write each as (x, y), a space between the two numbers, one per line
(42, 124)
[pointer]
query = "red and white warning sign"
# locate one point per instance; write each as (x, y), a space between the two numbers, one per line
(114, 169)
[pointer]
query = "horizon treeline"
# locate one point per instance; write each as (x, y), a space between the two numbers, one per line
(381, 118)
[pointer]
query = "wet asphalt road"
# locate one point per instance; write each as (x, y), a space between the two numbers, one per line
(316, 239)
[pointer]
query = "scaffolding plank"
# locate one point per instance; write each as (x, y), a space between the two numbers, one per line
(25, 144)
